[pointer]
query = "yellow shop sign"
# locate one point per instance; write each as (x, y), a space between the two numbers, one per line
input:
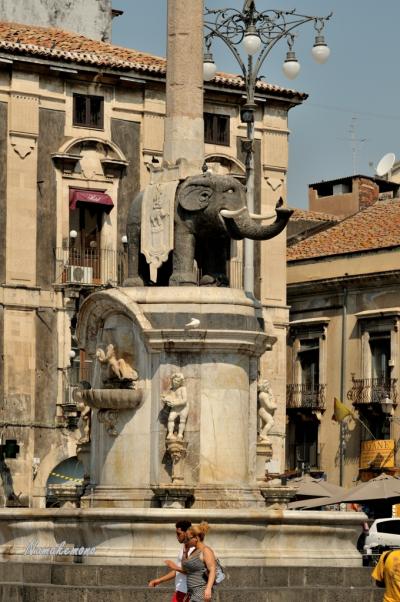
(377, 454)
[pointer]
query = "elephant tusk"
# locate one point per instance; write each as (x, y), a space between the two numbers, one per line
(257, 216)
(228, 213)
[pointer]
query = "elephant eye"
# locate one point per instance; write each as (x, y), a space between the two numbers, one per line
(230, 191)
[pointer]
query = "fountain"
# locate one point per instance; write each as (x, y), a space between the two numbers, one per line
(175, 422)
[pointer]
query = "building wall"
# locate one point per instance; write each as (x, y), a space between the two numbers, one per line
(91, 18)
(317, 291)
(3, 189)
(50, 138)
(364, 193)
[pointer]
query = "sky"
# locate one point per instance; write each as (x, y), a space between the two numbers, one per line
(352, 115)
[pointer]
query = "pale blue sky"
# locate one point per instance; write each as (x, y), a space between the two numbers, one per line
(359, 85)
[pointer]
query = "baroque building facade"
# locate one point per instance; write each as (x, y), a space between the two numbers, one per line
(81, 128)
(343, 338)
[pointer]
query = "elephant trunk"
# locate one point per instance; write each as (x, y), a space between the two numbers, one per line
(243, 226)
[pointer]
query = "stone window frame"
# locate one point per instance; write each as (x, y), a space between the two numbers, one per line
(309, 328)
(375, 321)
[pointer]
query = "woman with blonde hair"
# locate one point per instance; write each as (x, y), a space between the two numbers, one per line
(199, 565)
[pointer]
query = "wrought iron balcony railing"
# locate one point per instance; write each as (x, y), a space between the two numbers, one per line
(372, 390)
(90, 266)
(305, 396)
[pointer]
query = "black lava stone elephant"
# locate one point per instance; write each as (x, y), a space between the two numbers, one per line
(209, 211)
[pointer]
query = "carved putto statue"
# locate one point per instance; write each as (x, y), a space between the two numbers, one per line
(85, 417)
(120, 374)
(176, 400)
(84, 423)
(266, 410)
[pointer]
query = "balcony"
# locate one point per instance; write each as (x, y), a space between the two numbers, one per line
(306, 397)
(367, 391)
(87, 267)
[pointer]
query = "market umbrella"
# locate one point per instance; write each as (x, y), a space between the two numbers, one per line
(308, 486)
(383, 487)
(315, 502)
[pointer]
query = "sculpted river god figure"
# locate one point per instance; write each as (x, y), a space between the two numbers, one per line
(206, 213)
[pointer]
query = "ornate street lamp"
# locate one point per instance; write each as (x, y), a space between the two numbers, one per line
(257, 33)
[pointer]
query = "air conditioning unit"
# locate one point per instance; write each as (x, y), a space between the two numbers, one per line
(79, 274)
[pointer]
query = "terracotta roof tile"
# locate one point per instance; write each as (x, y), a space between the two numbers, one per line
(49, 42)
(377, 227)
(313, 216)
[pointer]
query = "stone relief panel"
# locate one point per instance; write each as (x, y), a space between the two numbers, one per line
(22, 145)
(157, 233)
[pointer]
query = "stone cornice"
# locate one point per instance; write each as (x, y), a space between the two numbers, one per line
(337, 284)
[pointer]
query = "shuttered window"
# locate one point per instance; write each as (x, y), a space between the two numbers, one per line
(216, 129)
(88, 111)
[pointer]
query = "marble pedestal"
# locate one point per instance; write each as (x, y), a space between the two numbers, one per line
(152, 327)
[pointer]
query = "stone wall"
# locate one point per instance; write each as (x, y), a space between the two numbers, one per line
(73, 583)
(126, 134)
(51, 134)
(3, 185)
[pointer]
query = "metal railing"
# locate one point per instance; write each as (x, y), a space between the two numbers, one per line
(372, 390)
(306, 396)
(102, 266)
(90, 266)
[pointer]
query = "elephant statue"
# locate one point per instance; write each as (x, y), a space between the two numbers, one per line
(208, 211)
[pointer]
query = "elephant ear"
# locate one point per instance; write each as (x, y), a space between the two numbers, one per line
(195, 197)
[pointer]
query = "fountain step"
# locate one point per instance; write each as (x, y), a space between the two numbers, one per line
(12, 592)
(34, 582)
(128, 575)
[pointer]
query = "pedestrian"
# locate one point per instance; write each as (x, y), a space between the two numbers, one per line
(387, 575)
(180, 594)
(199, 564)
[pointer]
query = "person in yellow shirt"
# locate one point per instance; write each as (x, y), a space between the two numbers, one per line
(387, 575)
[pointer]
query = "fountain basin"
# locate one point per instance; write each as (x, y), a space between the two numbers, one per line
(112, 399)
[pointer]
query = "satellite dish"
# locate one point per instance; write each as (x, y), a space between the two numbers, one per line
(385, 164)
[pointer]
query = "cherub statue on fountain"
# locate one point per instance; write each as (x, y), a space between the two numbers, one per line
(176, 400)
(266, 410)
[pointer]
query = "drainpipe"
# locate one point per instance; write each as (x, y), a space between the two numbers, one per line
(343, 371)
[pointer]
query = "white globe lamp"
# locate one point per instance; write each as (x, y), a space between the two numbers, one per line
(320, 50)
(251, 41)
(291, 66)
(209, 67)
